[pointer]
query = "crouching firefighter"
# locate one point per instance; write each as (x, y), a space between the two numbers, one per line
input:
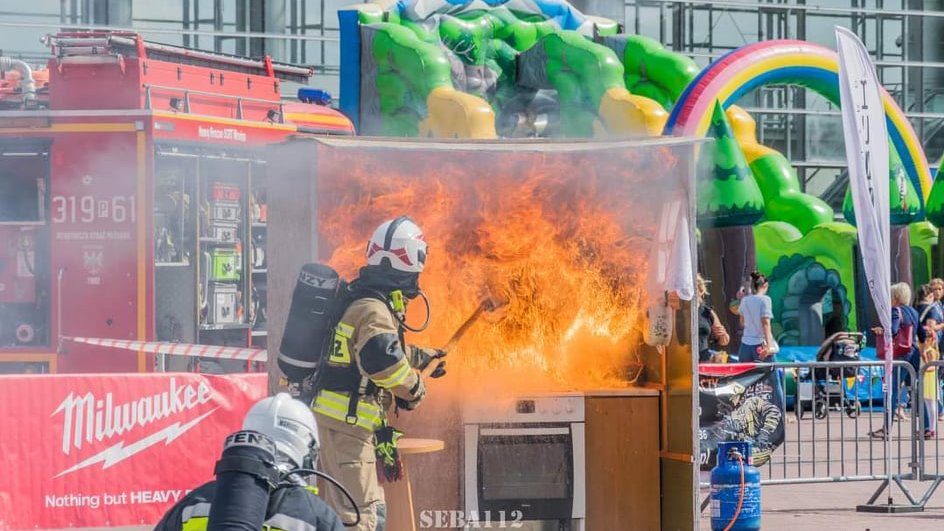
(260, 477)
(363, 367)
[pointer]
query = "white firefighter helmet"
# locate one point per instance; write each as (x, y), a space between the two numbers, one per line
(398, 243)
(289, 423)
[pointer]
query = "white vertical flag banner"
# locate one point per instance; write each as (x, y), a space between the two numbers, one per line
(670, 260)
(863, 125)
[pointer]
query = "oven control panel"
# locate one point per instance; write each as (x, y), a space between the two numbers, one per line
(527, 409)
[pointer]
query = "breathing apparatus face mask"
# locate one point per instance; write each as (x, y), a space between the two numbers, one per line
(386, 279)
(288, 468)
(311, 459)
(398, 287)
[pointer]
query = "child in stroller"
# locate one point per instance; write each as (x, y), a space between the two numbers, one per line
(828, 388)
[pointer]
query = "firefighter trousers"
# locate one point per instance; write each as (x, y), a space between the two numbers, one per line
(347, 454)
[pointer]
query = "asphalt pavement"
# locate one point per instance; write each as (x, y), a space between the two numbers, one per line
(839, 447)
(833, 506)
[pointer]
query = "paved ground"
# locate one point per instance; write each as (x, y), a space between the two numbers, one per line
(833, 505)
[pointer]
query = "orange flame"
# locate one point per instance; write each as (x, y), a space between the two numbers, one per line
(564, 238)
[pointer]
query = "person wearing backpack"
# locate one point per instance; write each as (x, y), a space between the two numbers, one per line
(347, 340)
(905, 323)
(260, 477)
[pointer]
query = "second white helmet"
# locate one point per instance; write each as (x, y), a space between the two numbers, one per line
(289, 423)
(399, 244)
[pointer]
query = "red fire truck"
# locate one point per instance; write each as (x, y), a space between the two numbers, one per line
(133, 197)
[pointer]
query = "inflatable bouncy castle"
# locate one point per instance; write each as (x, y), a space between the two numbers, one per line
(506, 68)
(526, 68)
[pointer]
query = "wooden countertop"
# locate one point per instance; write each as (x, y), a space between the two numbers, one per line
(408, 445)
(625, 391)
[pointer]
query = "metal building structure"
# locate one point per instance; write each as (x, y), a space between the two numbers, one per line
(294, 31)
(906, 37)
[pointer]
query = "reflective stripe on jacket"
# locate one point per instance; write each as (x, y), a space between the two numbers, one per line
(291, 508)
(367, 348)
(335, 405)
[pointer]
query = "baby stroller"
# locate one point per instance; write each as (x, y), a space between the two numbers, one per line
(829, 390)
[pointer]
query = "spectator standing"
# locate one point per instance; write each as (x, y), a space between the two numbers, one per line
(929, 353)
(931, 319)
(930, 314)
(903, 316)
(937, 288)
(711, 333)
(756, 311)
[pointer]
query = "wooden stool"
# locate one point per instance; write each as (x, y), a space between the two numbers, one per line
(399, 495)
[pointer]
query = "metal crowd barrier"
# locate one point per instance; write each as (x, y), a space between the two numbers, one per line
(827, 429)
(930, 446)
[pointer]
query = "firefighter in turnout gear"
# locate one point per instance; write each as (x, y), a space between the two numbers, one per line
(259, 484)
(369, 368)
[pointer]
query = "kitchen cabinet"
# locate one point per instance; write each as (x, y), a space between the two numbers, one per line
(622, 459)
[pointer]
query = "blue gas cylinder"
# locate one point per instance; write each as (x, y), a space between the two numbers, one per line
(726, 489)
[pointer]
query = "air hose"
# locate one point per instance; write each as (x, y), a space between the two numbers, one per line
(347, 494)
(737, 511)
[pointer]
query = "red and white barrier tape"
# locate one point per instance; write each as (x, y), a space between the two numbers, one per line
(177, 349)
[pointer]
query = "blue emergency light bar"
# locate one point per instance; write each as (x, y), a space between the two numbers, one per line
(314, 95)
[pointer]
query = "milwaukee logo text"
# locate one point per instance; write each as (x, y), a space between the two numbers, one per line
(89, 419)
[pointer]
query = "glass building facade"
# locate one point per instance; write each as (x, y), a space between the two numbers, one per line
(905, 36)
(292, 31)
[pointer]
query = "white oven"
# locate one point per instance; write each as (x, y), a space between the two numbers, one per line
(524, 459)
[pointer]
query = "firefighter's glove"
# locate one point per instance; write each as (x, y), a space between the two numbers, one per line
(416, 393)
(250, 453)
(388, 458)
(409, 406)
(421, 357)
(439, 371)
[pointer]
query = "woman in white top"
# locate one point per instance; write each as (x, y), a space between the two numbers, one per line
(756, 311)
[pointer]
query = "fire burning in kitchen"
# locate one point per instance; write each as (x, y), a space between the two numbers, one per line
(550, 267)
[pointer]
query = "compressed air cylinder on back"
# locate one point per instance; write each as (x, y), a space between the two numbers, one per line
(735, 507)
(311, 317)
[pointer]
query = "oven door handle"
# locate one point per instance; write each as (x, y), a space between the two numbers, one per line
(512, 432)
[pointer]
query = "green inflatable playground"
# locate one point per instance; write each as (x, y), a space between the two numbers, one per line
(542, 69)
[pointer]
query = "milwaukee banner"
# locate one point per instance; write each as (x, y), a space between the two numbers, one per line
(739, 402)
(112, 450)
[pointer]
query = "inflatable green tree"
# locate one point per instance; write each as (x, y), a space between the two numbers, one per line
(905, 209)
(729, 202)
(728, 195)
(934, 209)
(902, 197)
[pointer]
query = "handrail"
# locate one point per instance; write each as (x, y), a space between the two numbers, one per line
(187, 92)
(813, 9)
(174, 31)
